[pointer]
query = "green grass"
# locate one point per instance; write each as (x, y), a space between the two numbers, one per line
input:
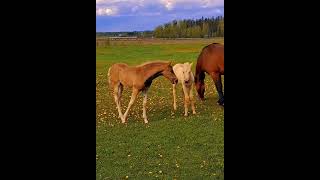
(171, 146)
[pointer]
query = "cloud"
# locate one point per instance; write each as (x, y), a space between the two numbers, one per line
(136, 15)
(139, 7)
(135, 8)
(168, 4)
(186, 4)
(108, 11)
(212, 3)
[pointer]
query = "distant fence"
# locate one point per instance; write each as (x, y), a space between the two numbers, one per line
(102, 42)
(110, 41)
(125, 38)
(107, 41)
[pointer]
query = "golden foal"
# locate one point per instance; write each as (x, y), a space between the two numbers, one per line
(186, 78)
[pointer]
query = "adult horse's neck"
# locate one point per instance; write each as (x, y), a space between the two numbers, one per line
(152, 71)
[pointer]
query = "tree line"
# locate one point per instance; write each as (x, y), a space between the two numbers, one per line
(189, 28)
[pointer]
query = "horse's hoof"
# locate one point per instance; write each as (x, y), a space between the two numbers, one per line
(123, 121)
(146, 121)
(221, 104)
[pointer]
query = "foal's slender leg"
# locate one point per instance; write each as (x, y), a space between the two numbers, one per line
(117, 100)
(174, 96)
(218, 83)
(134, 94)
(144, 115)
(186, 99)
(192, 100)
(120, 89)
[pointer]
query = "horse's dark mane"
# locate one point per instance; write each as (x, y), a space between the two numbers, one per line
(206, 46)
(148, 82)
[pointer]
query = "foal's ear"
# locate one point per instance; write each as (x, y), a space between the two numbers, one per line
(190, 64)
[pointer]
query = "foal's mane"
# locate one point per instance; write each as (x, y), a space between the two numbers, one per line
(153, 63)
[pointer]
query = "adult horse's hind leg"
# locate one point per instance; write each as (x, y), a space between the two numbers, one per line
(134, 94)
(144, 115)
(218, 83)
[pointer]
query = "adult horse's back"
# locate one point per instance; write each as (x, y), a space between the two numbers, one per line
(211, 61)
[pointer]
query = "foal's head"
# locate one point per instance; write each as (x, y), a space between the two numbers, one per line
(187, 73)
(169, 74)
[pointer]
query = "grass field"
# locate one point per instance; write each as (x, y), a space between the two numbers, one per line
(171, 146)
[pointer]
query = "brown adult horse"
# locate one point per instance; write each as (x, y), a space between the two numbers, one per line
(211, 61)
(139, 78)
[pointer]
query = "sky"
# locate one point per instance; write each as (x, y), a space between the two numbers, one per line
(141, 15)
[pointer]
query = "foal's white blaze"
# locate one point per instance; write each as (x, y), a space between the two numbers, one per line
(186, 78)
